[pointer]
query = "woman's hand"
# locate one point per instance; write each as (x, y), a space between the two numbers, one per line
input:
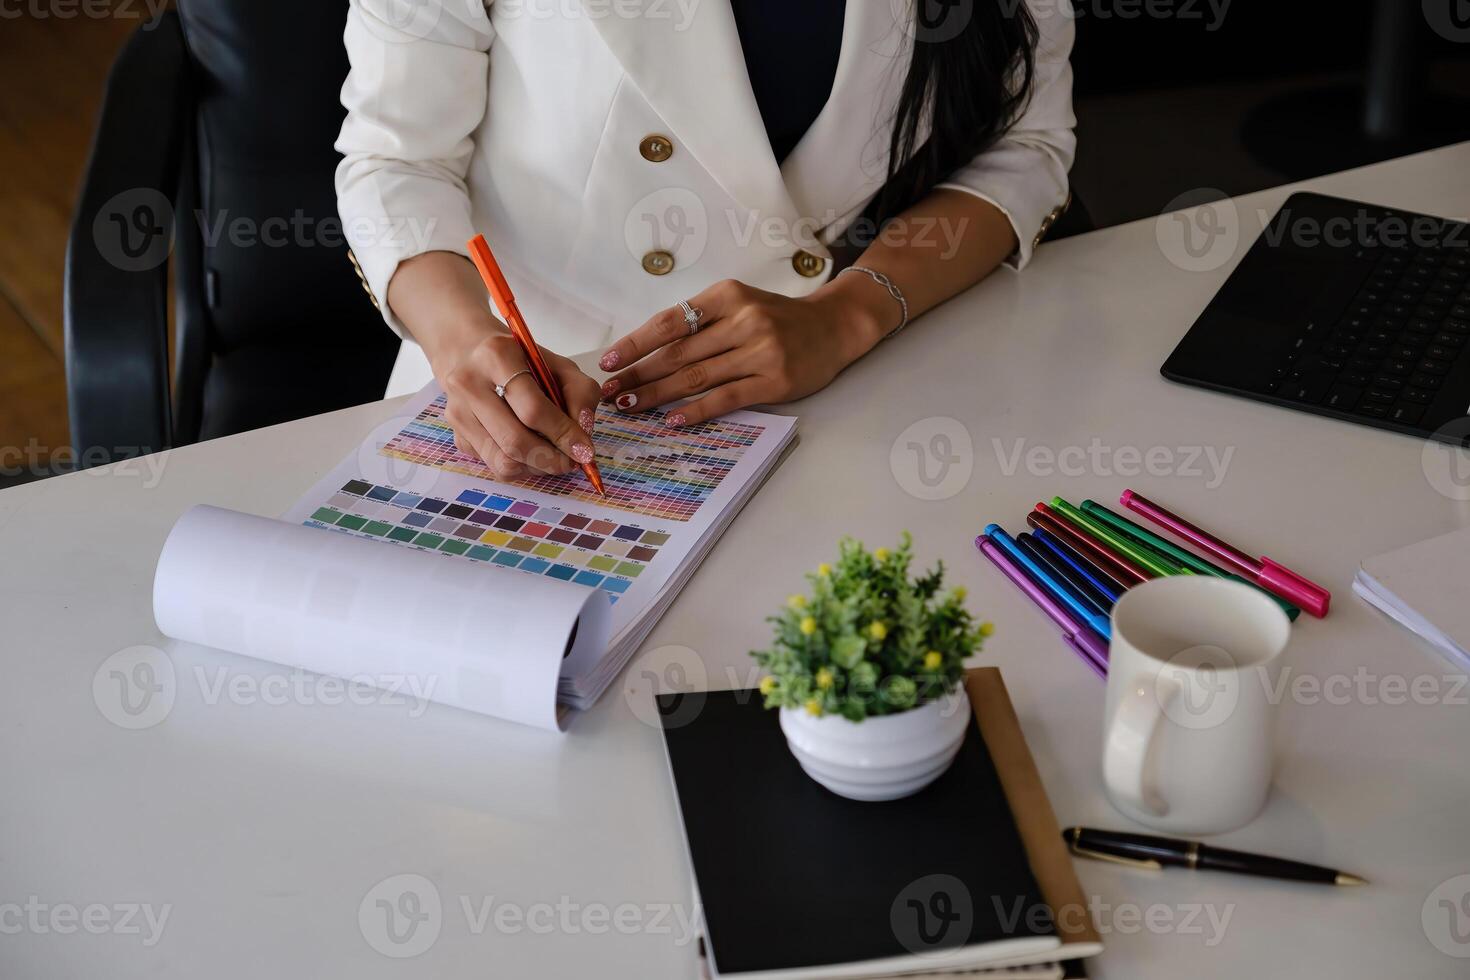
(524, 432)
(441, 299)
(752, 348)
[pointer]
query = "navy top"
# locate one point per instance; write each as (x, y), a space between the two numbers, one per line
(791, 50)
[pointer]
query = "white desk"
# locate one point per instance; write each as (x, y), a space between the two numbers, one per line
(261, 826)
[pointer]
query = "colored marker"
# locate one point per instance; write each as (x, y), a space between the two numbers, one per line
(1125, 568)
(1274, 578)
(1100, 582)
(1088, 646)
(1048, 581)
(1112, 582)
(1065, 574)
(1149, 539)
(1117, 542)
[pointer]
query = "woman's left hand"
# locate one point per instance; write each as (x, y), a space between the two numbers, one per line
(752, 348)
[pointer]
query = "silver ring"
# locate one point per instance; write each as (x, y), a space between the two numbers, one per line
(500, 389)
(692, 315)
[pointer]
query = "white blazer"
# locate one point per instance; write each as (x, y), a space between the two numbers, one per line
(613, 154)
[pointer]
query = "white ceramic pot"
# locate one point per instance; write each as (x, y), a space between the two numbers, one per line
(883, 758)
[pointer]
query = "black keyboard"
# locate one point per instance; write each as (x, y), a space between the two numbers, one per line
(1391, 350)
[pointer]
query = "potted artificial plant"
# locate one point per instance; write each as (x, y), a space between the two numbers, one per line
(867, 670)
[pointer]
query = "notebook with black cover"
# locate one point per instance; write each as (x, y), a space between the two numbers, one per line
(797, 882)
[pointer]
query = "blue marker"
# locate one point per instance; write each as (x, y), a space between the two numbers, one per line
(1065, 574)
(1046, 580)
(1043, 537)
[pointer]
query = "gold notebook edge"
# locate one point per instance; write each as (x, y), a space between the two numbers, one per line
(1041, 835)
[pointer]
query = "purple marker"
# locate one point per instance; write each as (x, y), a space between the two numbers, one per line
(1090, 647)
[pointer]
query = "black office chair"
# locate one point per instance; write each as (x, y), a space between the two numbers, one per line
(217, 128)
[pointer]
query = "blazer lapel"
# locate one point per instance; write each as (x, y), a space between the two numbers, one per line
(842, 161)
(686, 60)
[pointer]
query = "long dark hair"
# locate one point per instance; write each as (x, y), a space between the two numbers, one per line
(969, 80)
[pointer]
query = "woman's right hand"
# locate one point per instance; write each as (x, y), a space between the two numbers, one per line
(524, 432)
(442, 302)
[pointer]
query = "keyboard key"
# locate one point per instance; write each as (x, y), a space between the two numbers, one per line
(1419, 396)
(1449, 339)
(1441, 353)
(1419, 324)
(1343, 397)
(1381, 397)
(1356, 378)
(1308, 389)
(1407, 414)
(1430, 366)
(1387, 382)
(1394, 366)
(1426, 380)
(1457, 326)
(1373, 411)
(1404, 353)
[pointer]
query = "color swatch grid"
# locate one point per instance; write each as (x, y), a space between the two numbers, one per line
(499, 529)
(647, 467)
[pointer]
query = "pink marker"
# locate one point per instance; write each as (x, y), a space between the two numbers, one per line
(1276, 579)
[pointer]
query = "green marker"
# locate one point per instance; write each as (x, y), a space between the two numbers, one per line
(1168, 549)
(1150, 560)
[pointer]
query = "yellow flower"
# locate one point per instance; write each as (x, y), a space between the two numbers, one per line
(808, 626)
(814, 707)
(768, 684)
(933, 659)
(824, 678)
(881, 554)
(987, 628)
(959, 593)
(877, 631)
(796, 601)
(824, 569)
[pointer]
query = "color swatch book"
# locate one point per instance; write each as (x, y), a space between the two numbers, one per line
(670, 494)
(409, 565)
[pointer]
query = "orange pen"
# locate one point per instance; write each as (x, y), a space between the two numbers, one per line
(505, 302)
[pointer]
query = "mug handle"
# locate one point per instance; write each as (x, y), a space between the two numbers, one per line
(1132, 735)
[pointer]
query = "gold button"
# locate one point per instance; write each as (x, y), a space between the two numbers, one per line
(658, 263)
(807, 264)
(656, 148)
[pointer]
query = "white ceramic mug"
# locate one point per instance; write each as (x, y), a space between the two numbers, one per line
(1187, 740)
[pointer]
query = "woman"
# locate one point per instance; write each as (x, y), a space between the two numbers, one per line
(668, 181)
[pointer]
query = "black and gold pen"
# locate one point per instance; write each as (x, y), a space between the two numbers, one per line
(1147, 851)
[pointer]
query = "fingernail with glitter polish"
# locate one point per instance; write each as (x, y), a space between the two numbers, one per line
(582, 453)
(677, 419)
(627, 401)
(587, 419)
(610, 388)
(610, 360)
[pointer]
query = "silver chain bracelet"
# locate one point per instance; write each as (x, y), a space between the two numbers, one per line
(887, 284)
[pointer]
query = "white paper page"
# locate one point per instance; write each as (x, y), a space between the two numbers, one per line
(396, 618)
(407, 484)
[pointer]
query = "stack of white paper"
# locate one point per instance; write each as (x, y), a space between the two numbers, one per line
(1422, 588)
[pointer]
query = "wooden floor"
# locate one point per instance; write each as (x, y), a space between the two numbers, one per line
(51, 75)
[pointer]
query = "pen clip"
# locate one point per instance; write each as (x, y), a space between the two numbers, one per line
(1143, 863)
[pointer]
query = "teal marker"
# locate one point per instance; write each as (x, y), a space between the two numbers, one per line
(1155, 563)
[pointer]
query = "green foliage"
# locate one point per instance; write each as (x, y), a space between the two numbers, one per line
(869, 640)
